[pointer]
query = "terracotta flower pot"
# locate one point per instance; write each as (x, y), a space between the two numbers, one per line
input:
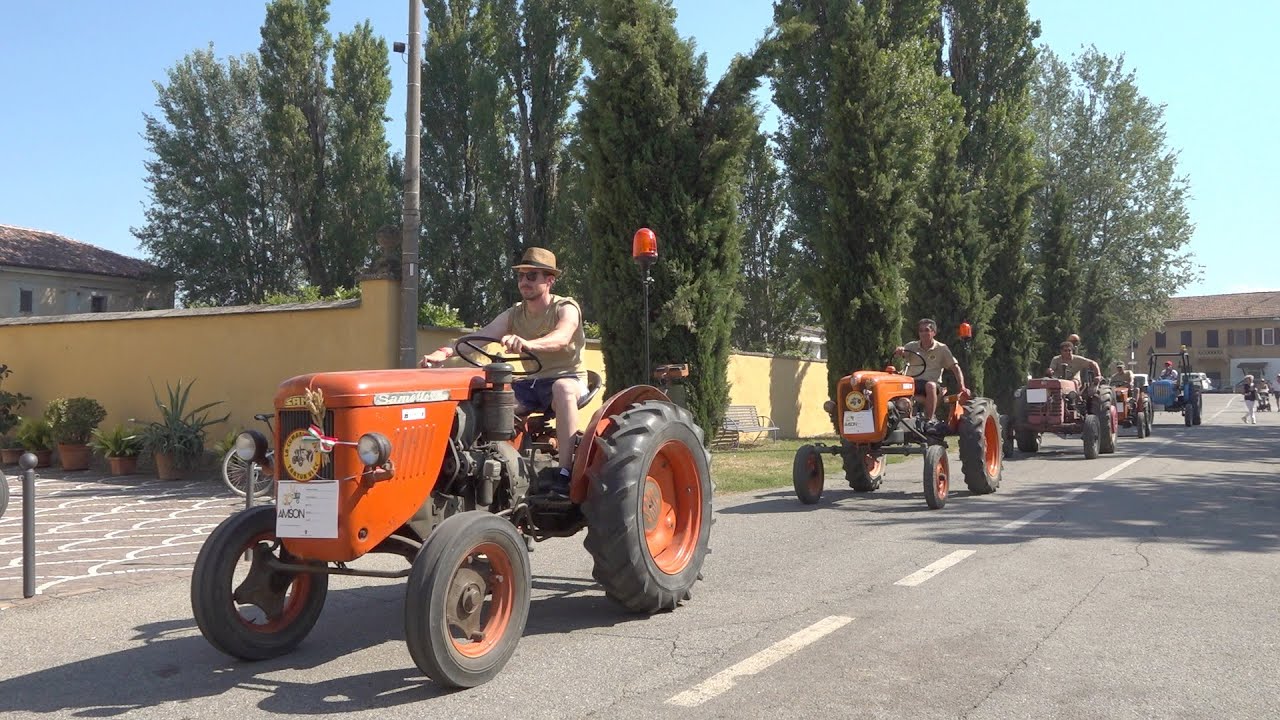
(167, 467)
(44, 458)
(74, 457)
(9, 456)
(127, 465)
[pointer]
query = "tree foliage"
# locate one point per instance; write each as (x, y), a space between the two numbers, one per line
(852, 80)
(662, 152)
(1060, 278)
(216, 218)
(1104, 144)
(774, 303)
(991, 60)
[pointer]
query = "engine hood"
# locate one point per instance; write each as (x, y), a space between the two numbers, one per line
(365, 388)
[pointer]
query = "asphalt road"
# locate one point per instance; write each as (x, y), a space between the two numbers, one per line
(1142, 584)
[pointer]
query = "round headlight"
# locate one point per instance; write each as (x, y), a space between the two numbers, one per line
(855, 401)
(374, 449)
(251, 446)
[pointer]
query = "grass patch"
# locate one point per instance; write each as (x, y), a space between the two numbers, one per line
(767, 464)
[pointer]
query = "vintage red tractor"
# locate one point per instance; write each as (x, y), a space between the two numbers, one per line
(1065, 408)
(877, 414)
(1133, 408)
(435, 466)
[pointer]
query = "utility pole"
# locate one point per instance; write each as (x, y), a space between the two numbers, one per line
(411, 221)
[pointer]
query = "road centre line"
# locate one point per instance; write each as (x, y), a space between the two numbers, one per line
(1024, 519)
(934, 568)
(1224, 409)
(724, 680)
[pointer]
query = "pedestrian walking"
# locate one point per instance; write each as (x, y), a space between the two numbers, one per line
(1250, 394)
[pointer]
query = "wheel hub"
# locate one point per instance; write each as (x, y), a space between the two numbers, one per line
(652, 505)
(466, 598)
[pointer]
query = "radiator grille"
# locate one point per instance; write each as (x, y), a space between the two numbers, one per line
(291, 420)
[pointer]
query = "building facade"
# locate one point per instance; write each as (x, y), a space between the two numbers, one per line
(43, 273)
(1226, 336)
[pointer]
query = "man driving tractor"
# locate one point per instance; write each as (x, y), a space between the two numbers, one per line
(551, 326)
(1122, 375)
(1073, 363)
(937, 357)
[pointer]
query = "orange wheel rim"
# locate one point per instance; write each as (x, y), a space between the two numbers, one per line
(672, 507)
(992, 432)
(296, 594)
(480, 600)
(815, 479)
(941, 483)
(872, 463)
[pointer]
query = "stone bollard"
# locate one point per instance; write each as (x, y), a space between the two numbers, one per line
(28, 464)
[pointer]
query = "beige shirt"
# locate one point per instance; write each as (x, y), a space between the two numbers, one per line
(937, 358)
(1124, 377)
(1078, 363)
(531, 326)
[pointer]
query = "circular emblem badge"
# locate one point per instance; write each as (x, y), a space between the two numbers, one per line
(302, 455)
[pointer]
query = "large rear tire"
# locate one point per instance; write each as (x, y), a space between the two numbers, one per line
(863, 467)
(981, 459)
(807, 475)
(1148, 414)
(1197, 405)
(467, 599)
(268, 612)
(937, 476)
(1090, 436)
(648, 507)
(1139, 420)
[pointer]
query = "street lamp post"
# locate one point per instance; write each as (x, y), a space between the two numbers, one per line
(411, 220)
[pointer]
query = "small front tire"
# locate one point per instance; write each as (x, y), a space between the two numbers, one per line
(937, 476)
(807, 475)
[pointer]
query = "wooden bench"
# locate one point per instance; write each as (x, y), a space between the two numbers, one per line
(739, 419)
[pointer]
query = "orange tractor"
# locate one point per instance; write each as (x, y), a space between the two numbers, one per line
(877, 413)
(1133, 408)
(435, 466)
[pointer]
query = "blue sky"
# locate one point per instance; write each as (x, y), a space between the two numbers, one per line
(76, 78)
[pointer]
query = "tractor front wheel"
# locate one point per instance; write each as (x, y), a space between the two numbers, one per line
(980, 455)
(648, 507)
(247, 609)
(807, 475)
(467, 599)
(1148, 414)
(1090, 436)
(1107, 423)
(937, 476)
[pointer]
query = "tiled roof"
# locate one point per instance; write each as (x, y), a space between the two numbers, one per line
(37, 249)
(1236, 306)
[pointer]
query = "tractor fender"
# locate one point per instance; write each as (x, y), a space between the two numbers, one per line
(602, 423)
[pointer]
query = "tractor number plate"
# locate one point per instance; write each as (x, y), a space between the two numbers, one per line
(859, 423)
(307, 509)
(1037, 395)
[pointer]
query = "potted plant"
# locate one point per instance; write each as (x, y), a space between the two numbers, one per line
(72, 422)
(120, 446)
(10, 404)
(177, 438)
(35, 436)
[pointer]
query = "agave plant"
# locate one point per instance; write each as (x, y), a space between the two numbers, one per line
(179, 432)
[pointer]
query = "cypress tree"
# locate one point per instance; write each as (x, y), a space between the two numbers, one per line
(1060, 280)
(661, 152)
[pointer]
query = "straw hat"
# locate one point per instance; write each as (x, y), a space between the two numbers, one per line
(536, 258)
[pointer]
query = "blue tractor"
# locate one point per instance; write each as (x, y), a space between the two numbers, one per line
(1175, 391)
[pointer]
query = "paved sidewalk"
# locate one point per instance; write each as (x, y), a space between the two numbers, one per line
(95, 532)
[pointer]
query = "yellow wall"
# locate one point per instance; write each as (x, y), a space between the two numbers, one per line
(240, 355)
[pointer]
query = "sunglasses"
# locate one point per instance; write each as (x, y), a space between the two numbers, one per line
(531, 275)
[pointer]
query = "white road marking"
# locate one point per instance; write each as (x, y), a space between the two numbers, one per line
(1024, 520)
(1120, 467)
(932, 569)
(1228, 407)
(1082, 488)
(724, 680)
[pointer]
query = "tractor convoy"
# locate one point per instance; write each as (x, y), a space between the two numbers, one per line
(447, 469)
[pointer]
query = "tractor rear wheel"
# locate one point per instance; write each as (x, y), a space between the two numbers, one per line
(807, 475)
(247, 609)
(937, 476)
(1148, 414)
(1107, 425)
(648, 507)
(1007, 442)
(981, 460)
(863, 467)
(467, 599)
(1139, 420)
(1197, 405)
(1090, 436)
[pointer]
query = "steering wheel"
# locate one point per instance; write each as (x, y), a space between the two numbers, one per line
(924, 364)
(464, 344)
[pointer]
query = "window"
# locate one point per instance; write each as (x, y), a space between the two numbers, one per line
(1185, 338)
(24, 301)
(1160, 341)
(98, 303)
(1268, 336)
(1211, 338)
